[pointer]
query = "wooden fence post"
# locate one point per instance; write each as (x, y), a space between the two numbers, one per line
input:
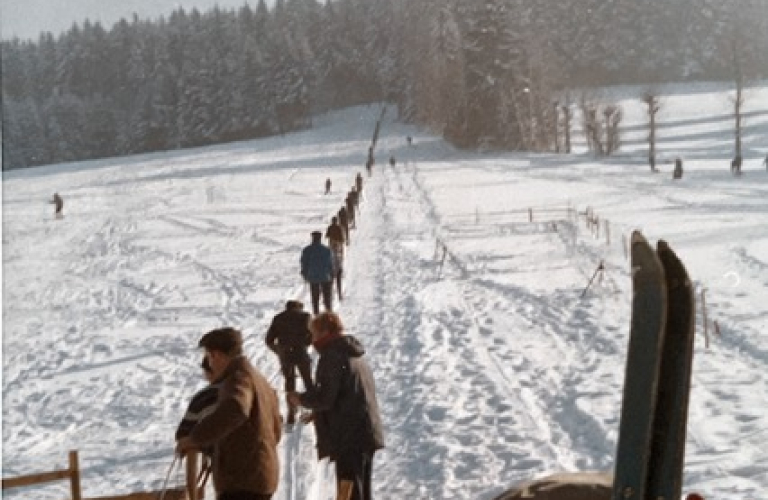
(530, 215)
(607, 233)
(625, 245)
(74, 478)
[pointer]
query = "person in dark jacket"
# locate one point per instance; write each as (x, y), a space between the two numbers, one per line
(245, 427)
(359, 182)
(349, 202)
(201, 405)
(289, 337)
(736, 165)
(335, 235)
(328, 186)
(344, 223)
(343, 402)
(677, 173)
(317, 270)
(58, 206)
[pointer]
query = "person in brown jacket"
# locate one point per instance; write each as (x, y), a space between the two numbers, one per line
(245, 427)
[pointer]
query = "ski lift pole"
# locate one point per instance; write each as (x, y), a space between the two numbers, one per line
(168, 476)
(600, 269)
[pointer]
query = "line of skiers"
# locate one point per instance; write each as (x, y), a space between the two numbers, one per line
(236, 422)
(322, 267)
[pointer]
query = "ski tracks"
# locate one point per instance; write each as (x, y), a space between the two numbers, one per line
(516, 365)
(465, 343)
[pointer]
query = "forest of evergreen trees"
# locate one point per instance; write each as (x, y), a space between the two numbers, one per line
(496, 73)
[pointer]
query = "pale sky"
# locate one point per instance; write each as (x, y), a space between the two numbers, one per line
(28, 18)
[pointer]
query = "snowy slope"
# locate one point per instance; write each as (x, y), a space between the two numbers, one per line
(491, 367)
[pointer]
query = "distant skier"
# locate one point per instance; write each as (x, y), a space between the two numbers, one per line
(410, 140)
(359, 182)
(736, 165)
(58, 204)
(392, 161)
(350, 204)
(369, 166)
(337, 251)
(678, 172)
(335, 235)
(344, 223)
(317, 269)
(328, 186)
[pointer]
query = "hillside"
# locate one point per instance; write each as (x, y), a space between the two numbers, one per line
(491, 367)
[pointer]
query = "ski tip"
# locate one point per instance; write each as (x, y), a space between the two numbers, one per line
(637, 237)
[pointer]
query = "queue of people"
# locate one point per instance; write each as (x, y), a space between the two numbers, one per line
(236, 422)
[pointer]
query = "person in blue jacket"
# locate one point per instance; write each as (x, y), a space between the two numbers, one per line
(317, 270)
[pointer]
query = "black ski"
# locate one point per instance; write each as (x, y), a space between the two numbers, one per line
(638, 407)
(669, 427)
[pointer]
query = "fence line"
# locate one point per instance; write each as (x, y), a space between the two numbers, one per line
(72, 473)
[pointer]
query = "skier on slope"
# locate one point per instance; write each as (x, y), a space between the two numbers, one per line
(335, 235)
(58, 204)
(678, 172)
(288, 336)
(317, 270)
(344, 223)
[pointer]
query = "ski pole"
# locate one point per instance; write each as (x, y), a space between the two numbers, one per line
(600, 267)
(168, 477)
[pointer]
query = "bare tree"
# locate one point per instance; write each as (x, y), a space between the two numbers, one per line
(566, 108)
(742, 56)
(601, 126)
(654, 105)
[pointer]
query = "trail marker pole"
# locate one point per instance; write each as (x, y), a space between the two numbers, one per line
(599, 269)
(704, 317)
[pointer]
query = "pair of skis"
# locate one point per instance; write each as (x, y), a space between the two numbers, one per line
(652, 431)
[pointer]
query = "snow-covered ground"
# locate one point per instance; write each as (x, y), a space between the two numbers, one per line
(491, 366)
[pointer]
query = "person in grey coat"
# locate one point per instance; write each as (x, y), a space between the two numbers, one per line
(344, 406)
(317, 270)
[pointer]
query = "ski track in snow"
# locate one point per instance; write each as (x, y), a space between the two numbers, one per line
(490, 368)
